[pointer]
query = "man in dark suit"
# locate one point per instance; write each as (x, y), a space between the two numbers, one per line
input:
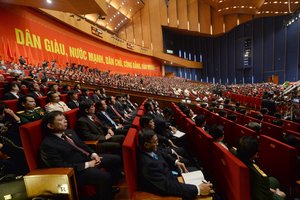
(96, 97)
(13, 91)
(89, 127)
(62, 148)
(262, 186)
(112, 112)
(155, 174)
(73, 96)
(269, 103)
(35, 90)
(101, 113)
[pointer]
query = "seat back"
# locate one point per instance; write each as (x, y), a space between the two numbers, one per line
(271, 130)
(231, 175)
(136, 123)
(12, 104)
(63, 97)
(72, 116)
(289, 125)
(41, 101)
(277, 159)
(31, 136)
(240, 131)
(203, 142)
(129, 158)
(228, 130)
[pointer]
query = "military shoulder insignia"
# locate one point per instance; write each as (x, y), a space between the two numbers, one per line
(21, 112)
(259, 170)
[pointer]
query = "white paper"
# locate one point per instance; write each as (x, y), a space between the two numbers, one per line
(179, 134)
(193, 178)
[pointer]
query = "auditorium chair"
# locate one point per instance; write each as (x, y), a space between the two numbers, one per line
(297, 136)
(25, 91)
(240, 131)
(63, 97)
(279, 160)
(140, 112)
(289, 125)
(212, 118)
(72, 116)
(228, 130)
(271, 130)
(130, 167)
(31, 136)
(203, 142)
(248, 119)
(188, 128)
(136, 123)
(41, 101)
(44, 90)
(230, 174)
(1, 93)
(12, 104)
(268, 118)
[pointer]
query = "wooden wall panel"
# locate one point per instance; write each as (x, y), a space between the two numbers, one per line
(245, 18)
(205, 17)
(146, 25)
(122, 33)
(230, 21)
(217, 22)
(163, 13)
(129, 32)
(182, 14)
(137, 28)
(172, 13)
(193, 15)
(155, 24)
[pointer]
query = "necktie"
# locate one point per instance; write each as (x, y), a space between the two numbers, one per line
(154, 155)
(71, 142)
(117, 113)
(111, 121)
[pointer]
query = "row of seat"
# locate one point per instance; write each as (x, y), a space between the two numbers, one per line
(268, 149)
(250, 101)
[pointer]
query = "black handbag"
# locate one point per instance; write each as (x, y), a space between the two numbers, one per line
(12, 187)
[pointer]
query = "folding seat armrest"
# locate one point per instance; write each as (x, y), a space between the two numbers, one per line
(93, 143)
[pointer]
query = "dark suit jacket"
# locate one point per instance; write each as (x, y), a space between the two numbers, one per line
(111, 113)
(56, 152)
(155, 176)
(88, 130)
(72, 104)
(120, 108)
(9, 96)
(34, 95)
(95, 98)
(104, 119)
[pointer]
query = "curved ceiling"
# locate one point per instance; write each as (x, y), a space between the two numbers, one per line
(114, 14)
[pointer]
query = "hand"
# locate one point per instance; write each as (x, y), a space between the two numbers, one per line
(1, 145)
(120, 126)
(110, 132)
(206, 188)
(93, 163)
(177, 156)
(12, 114)
(182, 167)
(108, 136)
(173, 129)
(172, 144)
(96, 157)
(278, 192)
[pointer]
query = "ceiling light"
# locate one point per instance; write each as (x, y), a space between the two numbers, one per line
(138, 2)
(49, 1)
(275, 2)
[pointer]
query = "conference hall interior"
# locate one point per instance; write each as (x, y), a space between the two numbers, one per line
(150, 99)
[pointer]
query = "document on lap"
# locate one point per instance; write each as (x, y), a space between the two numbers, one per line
(178, 134)
(193, 178)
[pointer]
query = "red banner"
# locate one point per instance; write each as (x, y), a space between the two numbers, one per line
(37, 37)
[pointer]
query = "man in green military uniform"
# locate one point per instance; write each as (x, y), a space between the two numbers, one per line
(262, 186)
(30, 112)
